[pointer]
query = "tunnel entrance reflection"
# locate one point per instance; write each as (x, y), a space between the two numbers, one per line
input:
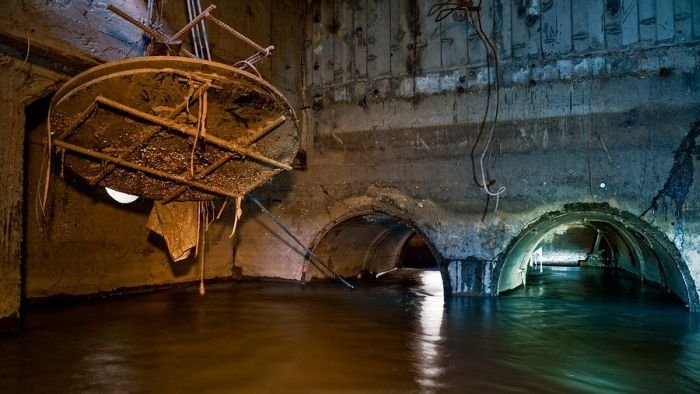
(614, 252)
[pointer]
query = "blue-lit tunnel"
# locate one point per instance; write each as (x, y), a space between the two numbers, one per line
(602, 237)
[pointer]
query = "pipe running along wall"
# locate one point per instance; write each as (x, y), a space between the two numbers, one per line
(368, 244)
(636, 248)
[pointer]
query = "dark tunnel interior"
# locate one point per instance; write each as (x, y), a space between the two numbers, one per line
(372, 246)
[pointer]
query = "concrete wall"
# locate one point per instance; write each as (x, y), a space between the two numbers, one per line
(40, 43)
(73, 34)
(390, 105)
(19, 85)
(393, 105)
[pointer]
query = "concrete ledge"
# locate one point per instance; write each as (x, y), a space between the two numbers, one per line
(639, 63)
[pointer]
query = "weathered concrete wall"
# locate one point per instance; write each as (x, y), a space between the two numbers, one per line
(19, 85)
(393, 105)
(74, 33)
(390, 110)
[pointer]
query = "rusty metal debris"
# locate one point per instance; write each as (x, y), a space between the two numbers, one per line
(135, 126)
(174, 127)
(177, 128)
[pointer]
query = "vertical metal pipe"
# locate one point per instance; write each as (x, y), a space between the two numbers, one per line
(151, 6)
(197, 30)
(191, 14)
(202, 29)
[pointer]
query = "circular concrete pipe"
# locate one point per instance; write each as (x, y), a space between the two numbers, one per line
(368, 244)
(636, 247)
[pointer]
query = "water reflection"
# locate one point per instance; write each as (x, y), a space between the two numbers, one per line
(569, 331)
(428, 362)
(108, 368)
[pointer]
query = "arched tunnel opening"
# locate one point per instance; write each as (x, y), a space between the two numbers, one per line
(605, 247)
(380, 248)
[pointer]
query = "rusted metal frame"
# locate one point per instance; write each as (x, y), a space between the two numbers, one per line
(148, 170)
(263, 131)
(147, 29)
(191, 131)
(78, 121)
(228, 156)
(176, 193)
(149, 133)
(234, 32)
(193, 22)
(191, 76)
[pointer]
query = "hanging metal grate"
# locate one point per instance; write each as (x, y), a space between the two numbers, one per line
(174, 127)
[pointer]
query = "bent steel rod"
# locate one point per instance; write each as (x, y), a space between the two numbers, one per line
(153, 33)
(278, 221)
(250, 140)
(148, 170)
(190, 131)
(151, 132)
(193, 19)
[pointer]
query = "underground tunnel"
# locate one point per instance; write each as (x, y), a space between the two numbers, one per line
(591, 237)
(373, 246)
(349, 196)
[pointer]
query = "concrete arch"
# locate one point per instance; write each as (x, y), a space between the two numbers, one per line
(370, 239)
(639, 248)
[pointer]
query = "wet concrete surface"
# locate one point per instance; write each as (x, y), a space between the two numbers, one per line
(571, 330)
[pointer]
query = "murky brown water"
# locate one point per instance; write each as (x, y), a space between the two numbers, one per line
(570, 331)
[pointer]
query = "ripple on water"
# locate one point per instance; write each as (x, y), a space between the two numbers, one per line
(569, 331)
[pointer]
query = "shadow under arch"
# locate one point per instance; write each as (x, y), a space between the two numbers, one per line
(638, 248)
(372, 242)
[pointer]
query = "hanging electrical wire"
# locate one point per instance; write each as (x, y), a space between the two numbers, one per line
(442, 10)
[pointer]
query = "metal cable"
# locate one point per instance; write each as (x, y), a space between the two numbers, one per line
(309, 253)
(490, 48)
(441, 11)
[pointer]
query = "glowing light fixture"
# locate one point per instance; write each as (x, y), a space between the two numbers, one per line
(120, 197)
